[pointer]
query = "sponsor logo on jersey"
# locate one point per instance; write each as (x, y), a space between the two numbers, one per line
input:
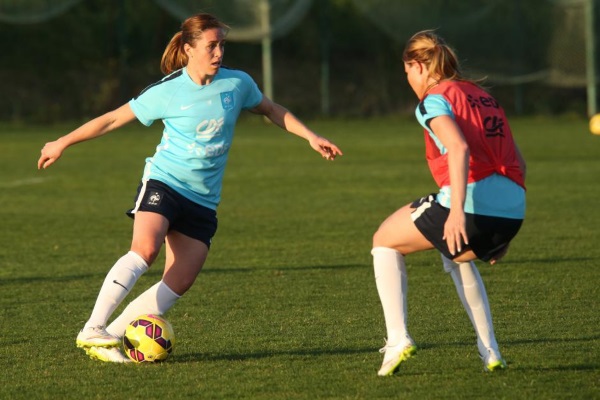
(209, 128)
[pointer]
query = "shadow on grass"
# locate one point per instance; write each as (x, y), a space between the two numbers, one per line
(67, 278)
(426, 345)
(283, 268)
(546, 260)
(158, 270)
(203, 357)
(34, 279)
(316, 352)
(552, 340)
(560, 368)
(507, 343)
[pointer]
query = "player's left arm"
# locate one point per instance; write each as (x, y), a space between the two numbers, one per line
(283, 118)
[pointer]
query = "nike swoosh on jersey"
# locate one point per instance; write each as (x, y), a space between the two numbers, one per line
(186, 107)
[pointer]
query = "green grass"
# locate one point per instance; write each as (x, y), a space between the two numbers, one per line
(286, 307)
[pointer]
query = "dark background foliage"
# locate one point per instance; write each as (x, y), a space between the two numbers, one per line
(97, 55)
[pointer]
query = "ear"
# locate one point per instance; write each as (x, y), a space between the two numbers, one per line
(187, 48)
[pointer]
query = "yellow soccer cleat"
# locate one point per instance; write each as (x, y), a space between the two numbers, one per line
(395, 355)
(96, 336)
(107, 354)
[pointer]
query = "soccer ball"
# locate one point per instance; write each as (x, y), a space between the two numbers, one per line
(595, 124)
(148, 338)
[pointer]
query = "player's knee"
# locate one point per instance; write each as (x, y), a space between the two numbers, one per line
(180, 283)
(379, 238)
(148, 251)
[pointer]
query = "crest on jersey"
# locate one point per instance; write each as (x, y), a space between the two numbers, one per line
(227, 100)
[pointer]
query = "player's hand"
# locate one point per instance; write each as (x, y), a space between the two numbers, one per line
(51, 152)
(328, 150)
(455, 232)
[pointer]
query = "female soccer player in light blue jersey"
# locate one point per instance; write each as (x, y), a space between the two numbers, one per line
(199, 102)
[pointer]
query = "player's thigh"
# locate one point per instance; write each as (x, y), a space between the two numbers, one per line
(149, 230)
(184, 258)
(399, 232)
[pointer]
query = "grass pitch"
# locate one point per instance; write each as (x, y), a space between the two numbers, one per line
(286, 307)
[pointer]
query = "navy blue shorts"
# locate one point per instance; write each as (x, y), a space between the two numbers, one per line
(184, 216)
(488, 236)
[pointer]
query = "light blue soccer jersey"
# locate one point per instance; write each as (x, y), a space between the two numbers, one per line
(496, 195)
(198, 130)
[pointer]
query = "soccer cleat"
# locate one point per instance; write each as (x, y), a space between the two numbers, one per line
(395, 355)
(107, 354)
(96, 336)
(492, 361)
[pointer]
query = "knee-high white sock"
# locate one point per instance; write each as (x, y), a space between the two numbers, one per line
(392, 286)
(118, 282)
(156, 300)
(471, 291)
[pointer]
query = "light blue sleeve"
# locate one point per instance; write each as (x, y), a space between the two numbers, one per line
(433, 106)
(253, 94)
(151, 104)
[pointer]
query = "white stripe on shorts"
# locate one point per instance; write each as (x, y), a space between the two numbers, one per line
(421, 209)
(138, 201)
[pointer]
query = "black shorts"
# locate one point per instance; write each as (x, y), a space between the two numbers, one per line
(487, 235)
(184, 216)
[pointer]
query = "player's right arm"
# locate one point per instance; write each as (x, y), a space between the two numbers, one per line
(52, 151)
(452, 138)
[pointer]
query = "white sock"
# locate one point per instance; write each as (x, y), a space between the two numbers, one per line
(471, 291)
(118, 282)
(156, 300)
(392, 286)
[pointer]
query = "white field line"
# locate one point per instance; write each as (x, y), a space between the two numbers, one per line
(22, 182)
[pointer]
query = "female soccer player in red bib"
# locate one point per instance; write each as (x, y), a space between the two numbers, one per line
(477, 211)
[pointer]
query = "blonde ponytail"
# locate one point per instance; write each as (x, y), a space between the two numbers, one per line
(431, 50)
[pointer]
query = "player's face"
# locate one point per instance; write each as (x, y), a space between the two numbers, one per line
(417, 75)
(207, 54)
